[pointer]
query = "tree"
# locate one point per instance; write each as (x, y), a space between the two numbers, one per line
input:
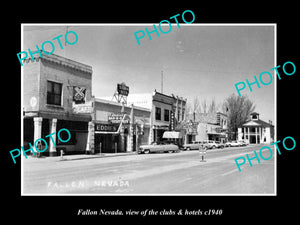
(194, 107)
(238, 110)
(204, 106)
(212, 106)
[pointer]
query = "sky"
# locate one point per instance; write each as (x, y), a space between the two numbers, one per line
(197, 60)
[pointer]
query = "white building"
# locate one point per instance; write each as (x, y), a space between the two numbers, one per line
(256, 131)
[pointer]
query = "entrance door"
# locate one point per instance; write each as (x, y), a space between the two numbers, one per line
(134, 143)
(103, 143)
(252, 139)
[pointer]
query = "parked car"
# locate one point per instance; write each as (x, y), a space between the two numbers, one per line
(220, 145)
(193, 146)
(210, 145)
(154, 147)
(243, 143)
(232, 144)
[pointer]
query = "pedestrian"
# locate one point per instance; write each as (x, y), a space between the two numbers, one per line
(202, 152)
(39, 146)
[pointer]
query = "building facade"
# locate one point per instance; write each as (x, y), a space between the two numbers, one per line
(52, 85)
(256, 131)
(57, 94)
(118, 128)
(167, 111)
(210, 126)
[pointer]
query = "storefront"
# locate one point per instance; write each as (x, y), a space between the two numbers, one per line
(110, 138)
(77, 129)
(118, 128)
(52, 87)
(191, 131)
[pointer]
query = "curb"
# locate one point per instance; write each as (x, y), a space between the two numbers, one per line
(98, 155)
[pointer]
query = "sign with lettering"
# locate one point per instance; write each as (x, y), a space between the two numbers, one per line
(106, 127)
(117, 118)
(123, 89)
(83, 108)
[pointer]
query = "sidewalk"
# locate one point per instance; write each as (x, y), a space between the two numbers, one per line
(82, 156)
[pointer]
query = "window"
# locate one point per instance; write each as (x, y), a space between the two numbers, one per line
(157, 113)
(54, 91)
(167, 115)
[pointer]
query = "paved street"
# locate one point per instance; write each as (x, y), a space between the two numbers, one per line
(160, 173)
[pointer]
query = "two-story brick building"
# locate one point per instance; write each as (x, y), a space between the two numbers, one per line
(51, 86)
(166, 112)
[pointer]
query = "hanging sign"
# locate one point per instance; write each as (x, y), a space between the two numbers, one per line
(83, 108)
(123, 89)
(117, 118)
(79, 94)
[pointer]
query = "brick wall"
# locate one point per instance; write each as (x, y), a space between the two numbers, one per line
(31, 74)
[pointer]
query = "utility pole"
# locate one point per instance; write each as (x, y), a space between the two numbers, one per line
(162, 82)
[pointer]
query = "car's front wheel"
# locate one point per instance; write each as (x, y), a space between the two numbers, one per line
(146, 151)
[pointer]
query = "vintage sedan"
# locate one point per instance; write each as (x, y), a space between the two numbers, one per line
(154, 147)
(193, 146)
(213, 144)
(232, 144)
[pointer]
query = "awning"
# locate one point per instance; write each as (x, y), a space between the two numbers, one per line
(172, 134)
(215, 133)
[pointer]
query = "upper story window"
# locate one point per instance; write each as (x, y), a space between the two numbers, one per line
(167, 115)
(254, 116)
(54, 91)
(157, 113)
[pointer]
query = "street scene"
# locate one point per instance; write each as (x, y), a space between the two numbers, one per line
(158, 174)
(103, 115)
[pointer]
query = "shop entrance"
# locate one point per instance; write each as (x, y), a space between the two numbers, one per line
(110, 143)
(106, 143)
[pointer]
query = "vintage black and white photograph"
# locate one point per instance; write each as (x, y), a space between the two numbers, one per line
(148, 109)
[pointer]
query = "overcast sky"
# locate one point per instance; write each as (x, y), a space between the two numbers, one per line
(196, 60)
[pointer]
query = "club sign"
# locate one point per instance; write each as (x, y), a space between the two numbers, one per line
(79, 94)
(123, 89)
(117, 118)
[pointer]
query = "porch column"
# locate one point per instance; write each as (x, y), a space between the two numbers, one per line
(259, 131)
(256, 134)
(52, 147)
(37, 128)
(91, 139)
(248, 129)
